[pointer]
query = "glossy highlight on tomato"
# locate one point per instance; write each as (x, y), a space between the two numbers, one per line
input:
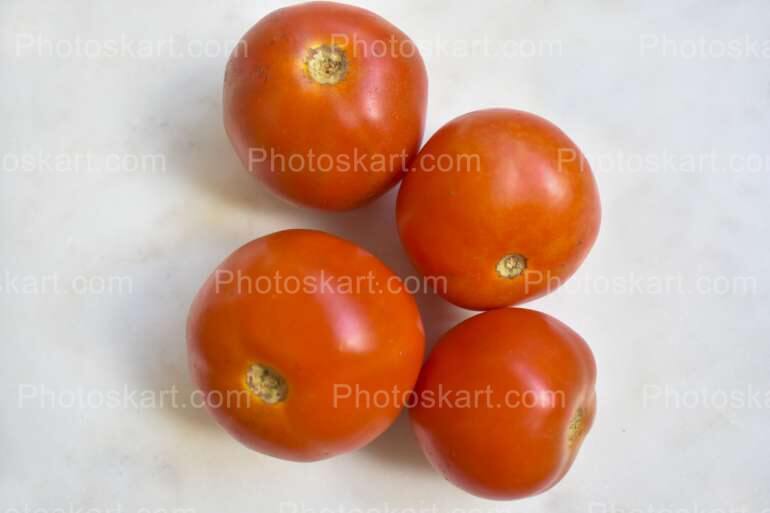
(326, 103)
(531, 382)
(289, 330)
(502, 204)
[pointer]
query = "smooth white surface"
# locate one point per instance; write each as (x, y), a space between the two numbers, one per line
(692, 210)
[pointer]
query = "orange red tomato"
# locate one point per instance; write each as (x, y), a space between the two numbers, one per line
(292, 336)
(326, 103)
(502, 204)
(518, 389)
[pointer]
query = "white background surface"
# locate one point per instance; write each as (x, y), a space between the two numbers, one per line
(685, 241)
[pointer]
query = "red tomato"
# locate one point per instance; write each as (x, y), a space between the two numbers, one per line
(518, 400)
(293, 335)
(502, 204)
(326, 103)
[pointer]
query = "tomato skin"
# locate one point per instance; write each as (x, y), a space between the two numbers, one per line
(519, 448)
(272, 106)
(315, 338)
(514, 184)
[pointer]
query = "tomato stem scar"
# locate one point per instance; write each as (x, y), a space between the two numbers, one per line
(266, 384)
(575, 428)
(510, 266)
(326, 64)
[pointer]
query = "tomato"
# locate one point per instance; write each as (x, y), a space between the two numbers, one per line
(326, 103)
(502, 204)
(291, 337)
(530, 380)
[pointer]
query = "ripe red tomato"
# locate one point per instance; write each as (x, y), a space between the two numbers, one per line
(326, 103)
(502, 204)
(518, 399)
(293, 335)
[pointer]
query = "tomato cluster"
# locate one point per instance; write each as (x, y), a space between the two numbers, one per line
(303, 333)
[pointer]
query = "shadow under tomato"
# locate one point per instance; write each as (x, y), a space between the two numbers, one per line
(157, 368)
(398, 446)
(152, 320)
(197, 148)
